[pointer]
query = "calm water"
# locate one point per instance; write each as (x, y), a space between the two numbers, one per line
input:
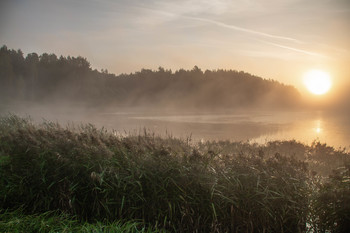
(255, 127)
(258, 127)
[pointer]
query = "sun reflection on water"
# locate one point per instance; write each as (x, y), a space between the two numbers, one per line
(318, 126)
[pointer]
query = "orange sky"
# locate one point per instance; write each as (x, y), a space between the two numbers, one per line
(273, 39)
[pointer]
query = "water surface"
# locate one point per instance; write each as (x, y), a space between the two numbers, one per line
(305, 127)
(259, 127)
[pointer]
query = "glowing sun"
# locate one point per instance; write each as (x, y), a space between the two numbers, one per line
(317, 82)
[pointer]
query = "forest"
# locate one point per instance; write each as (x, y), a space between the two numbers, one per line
(48, 78)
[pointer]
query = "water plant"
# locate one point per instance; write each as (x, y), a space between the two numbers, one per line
(94, 176)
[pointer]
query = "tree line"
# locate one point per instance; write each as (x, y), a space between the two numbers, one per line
(49, 78)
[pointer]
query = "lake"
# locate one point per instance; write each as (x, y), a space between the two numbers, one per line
(257, 127)
(250, 126)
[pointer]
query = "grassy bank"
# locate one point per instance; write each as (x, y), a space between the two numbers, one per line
(55, 221)
(92, 176)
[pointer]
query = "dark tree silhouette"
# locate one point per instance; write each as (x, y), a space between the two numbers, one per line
(71, 79)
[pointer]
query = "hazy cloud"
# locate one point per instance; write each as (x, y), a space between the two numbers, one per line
(125, 34)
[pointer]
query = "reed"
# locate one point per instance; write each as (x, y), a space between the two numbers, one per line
(94, 175)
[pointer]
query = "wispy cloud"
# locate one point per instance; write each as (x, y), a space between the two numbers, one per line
(295, 49)
(280, 39)
(224, 25)
(246, 30)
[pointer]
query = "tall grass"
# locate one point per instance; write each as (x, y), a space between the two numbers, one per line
(163, 183)
(331, 202)
(55, 221)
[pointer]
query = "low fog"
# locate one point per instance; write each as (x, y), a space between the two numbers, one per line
(210, 104)
(48, 79)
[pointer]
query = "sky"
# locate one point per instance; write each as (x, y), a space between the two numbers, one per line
(273, 39)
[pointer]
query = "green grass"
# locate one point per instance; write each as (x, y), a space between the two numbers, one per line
(54, 221)
(147, 182)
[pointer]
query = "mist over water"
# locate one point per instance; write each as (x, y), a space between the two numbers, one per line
(201, 105)
(259, 127)
(252, 126)
(180, 116)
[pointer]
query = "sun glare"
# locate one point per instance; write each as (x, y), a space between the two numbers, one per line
(317, 82)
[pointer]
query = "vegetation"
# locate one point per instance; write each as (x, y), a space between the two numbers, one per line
(94, 180)
(54, 221)
(51, 79)
(332, 202)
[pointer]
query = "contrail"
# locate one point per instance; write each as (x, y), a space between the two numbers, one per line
(294, 49)
(246, 30)
(221, 24)
(236, 28)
